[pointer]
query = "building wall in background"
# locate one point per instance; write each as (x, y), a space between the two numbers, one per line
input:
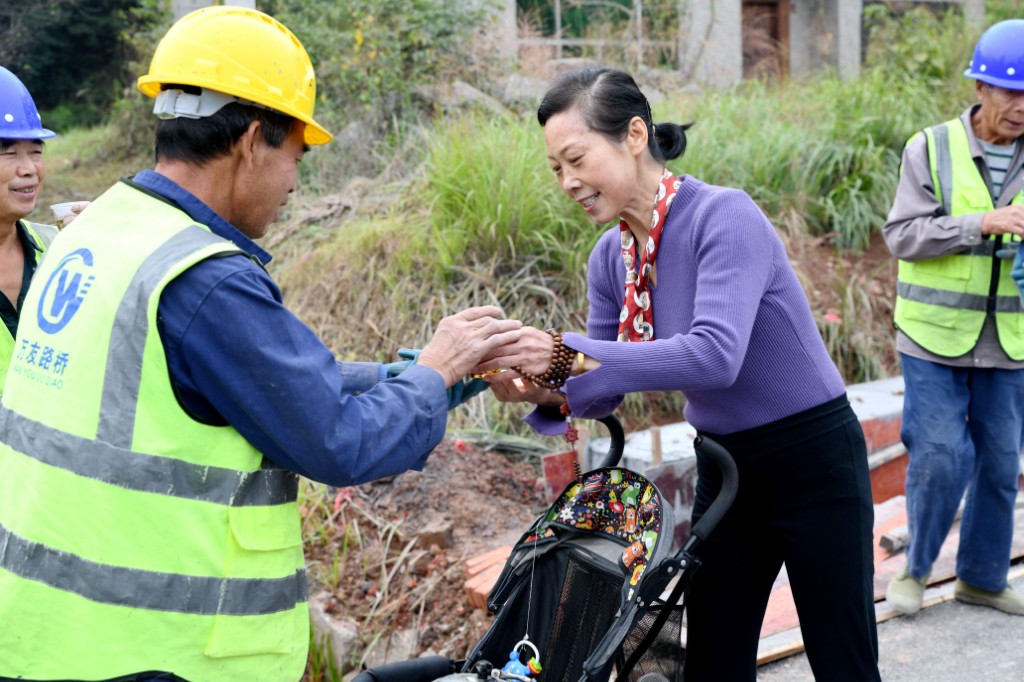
(180, 8)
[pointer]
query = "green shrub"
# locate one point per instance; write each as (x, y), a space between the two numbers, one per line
(918, 45)
(75, 56)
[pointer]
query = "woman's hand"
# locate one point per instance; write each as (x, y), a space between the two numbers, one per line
(509, 387)
(532, 352)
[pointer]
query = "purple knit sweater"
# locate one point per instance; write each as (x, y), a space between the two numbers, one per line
(732, 327)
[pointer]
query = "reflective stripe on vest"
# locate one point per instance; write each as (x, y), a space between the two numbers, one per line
(148, 589)
(117, 509)
(942, 303)
(113, 465)
(41, 236)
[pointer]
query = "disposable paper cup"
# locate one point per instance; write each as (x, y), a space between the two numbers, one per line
(63, 211)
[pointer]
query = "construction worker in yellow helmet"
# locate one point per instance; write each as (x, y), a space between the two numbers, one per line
(153, 431)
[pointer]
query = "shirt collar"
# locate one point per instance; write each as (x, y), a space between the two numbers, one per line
(28, 242)
(973, 143)
(199, 212)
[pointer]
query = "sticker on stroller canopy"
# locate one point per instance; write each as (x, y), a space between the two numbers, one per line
(616, 502)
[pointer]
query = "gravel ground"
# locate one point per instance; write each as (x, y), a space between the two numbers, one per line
(948, 642)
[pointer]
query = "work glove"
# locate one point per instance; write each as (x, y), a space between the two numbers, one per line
(1008, 251)
(409, 357)
(464, 390)
(457, 394)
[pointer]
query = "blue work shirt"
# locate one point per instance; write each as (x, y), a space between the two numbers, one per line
(238, 356)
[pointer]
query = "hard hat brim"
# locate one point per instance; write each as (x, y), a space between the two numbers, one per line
(33, 134)
(992, 80)
(315, 134)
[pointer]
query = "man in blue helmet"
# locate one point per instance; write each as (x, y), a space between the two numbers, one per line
(955, 225)
(21, 178)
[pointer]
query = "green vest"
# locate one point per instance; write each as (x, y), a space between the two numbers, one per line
(942, 303)
(41, 236)
(134, 538)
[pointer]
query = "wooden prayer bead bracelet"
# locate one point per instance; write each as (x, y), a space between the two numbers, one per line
(560, 368)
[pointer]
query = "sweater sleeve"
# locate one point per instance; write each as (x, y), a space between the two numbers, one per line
(726, 246)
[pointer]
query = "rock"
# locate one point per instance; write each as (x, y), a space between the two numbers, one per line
(437, 533)
(341, 634)
(521, 92)
(556, 67)
(458, 95)
(401, 645)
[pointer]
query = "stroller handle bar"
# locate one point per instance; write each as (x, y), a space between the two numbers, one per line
(730, 484)
(618, 437)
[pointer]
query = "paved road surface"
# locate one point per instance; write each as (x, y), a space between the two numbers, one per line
(948, 642)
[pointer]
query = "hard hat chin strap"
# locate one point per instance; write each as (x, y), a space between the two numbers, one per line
(180, 104)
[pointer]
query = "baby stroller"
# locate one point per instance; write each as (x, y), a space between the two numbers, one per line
(583, 592)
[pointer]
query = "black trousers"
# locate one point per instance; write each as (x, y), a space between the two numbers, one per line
(804, 500)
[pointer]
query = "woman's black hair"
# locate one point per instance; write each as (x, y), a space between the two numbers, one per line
(608, 100)
(199, 140)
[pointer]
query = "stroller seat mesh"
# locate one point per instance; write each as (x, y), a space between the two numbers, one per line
(588, 596)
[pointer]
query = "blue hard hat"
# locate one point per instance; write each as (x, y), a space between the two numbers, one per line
(999, 56)
(19, 119)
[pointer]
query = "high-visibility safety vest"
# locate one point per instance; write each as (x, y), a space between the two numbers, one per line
(942, 303)
(132, 537)
(41, 236)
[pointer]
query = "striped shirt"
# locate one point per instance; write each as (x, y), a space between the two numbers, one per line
(997, 157)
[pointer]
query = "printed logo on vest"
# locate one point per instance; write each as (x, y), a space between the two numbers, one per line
(65, 291)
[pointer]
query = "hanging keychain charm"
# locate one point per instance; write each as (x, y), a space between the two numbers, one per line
(572, 435)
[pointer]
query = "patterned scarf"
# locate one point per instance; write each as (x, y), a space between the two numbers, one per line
(636, 320)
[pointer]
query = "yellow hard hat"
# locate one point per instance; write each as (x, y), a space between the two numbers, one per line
(239, 52)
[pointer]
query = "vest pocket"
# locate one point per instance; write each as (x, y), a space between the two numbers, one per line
(267, 543)
(265, 529)
(970, 199)
(275, 633)
(936, 315)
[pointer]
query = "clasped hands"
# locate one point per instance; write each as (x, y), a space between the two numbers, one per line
(479, 341)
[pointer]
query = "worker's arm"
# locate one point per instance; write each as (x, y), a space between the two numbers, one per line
(237, 355)
(917, 227)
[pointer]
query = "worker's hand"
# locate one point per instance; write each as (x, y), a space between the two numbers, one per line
(1005, 220)
(532, 353)
(409, 357)
(509, 387)
(76, 210)
(462, 340)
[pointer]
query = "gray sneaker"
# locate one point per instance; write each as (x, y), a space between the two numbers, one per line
(1007, 601)
(905, 592)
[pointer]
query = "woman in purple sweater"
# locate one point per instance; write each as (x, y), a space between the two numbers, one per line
(710, 307)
